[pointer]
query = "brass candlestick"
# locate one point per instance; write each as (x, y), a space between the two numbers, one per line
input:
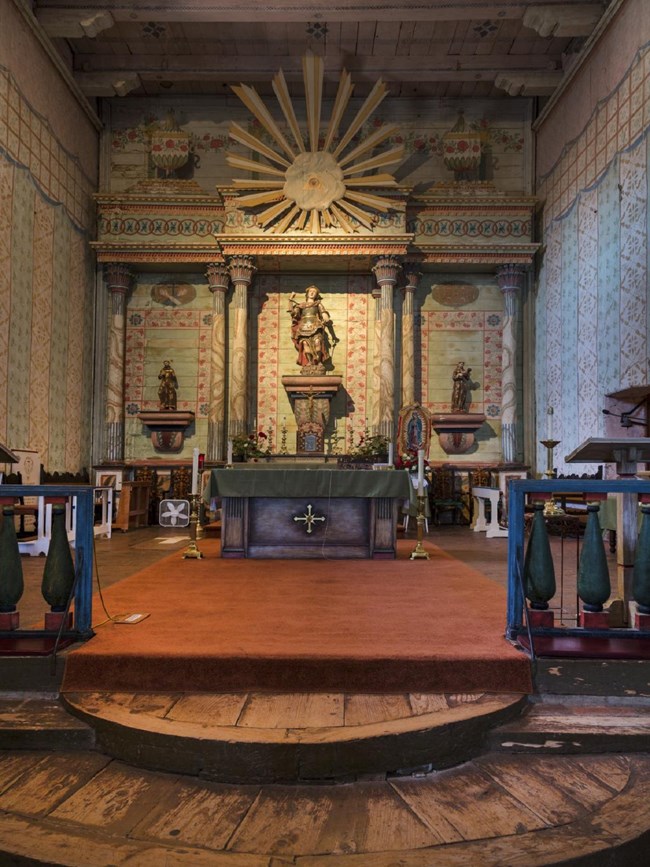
(192, 551)
(418, 552)
(551, 508)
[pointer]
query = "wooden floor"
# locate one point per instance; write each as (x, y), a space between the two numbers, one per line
(82, 808)
(296, 737)
(77, 806)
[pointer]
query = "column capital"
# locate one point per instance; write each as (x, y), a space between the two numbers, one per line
(412, 274)
(117, 276)
(386, 270)
(241, 269)
(218, 276)
(510, 277)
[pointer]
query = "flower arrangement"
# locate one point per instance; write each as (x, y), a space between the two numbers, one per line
(369, 445)
(409, 461)
(251, 446)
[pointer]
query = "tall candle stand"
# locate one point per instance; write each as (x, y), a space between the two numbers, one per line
(551, 508)
(418, 553)
(192, 551)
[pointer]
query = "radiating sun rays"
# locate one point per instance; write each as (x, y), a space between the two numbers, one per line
(308, 186)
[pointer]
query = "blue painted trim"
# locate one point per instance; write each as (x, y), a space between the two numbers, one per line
(517, 490)
(84, 541)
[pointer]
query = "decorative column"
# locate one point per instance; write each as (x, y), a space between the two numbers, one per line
(218, 283)
(376, 362)
(241, 270)
(408, 334)
(118, 279)
(511, 280)
(386, 271)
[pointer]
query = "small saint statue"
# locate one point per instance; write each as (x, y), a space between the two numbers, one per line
(462, 385)
(309, 321)
(167, 387)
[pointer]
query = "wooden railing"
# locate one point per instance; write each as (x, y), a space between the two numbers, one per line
(81, 593)
(519, 620)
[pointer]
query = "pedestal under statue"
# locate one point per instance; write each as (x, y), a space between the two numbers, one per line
(167, 425)
(456, 429)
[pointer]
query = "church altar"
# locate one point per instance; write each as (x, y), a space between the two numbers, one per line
(297, 513)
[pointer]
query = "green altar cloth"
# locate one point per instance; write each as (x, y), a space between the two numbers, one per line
(268, 481)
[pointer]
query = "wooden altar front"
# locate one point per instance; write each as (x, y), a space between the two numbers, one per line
(296, 513)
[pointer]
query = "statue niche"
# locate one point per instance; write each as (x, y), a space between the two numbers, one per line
(456, 429)
(168, 424)
(311, 393)
(310, 323)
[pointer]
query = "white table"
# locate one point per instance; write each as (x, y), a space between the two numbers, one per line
(480, 524)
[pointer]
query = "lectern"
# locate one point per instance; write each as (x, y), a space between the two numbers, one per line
(626, 453)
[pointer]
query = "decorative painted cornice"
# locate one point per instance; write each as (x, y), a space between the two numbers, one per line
(470, 254)
(327, 245)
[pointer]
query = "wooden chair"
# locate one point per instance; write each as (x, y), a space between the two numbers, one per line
(443, 496)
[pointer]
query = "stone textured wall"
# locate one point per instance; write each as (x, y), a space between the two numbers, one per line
(592, 313)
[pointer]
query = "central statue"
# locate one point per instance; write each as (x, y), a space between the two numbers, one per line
(309, 322)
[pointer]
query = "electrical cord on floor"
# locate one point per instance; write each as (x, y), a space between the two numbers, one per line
(110, 618)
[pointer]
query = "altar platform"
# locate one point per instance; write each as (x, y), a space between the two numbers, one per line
(318, 512)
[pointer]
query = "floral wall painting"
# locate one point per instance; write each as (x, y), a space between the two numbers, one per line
(454, 294)
(173, 294)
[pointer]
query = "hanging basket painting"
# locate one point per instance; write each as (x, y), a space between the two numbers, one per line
(170, 147)
(462, 148)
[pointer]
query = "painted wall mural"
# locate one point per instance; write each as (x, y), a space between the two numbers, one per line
(504, 127)
(46, 289)
(159, 329)
(593, 327)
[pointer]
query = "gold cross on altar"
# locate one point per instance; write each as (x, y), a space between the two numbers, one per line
(308, 518)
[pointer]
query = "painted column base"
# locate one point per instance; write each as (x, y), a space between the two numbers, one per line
(54, 619)
(641, 621)
(594, 619)
(541, 619)
(9, 620)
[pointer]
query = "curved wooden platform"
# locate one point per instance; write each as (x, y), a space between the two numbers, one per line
(257, 737)
(84, 808)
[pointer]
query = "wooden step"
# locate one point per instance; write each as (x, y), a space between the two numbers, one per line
(238, 737)
(575, 726)
(606, 677)
(84, 808)
(41, 722)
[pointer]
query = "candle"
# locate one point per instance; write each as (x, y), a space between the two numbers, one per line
(420, 472)
(390, 454)
(549, 423)
(229, 458)
(195, 471)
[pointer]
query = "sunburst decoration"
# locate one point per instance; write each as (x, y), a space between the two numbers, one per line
(311, 187)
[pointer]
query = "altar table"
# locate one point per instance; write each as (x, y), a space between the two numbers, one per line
(280, 512)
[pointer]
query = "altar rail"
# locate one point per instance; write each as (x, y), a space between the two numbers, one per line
(518, 492)
(83, 550)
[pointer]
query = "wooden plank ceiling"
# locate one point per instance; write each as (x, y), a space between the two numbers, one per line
(460, 48)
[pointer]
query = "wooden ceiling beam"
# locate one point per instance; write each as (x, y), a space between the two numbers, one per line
(305, 11)
(188, 67)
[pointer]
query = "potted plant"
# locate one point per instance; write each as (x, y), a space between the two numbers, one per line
(370, 449)
(250, 447)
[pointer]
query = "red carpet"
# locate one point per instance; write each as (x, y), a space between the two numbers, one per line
(303, 625)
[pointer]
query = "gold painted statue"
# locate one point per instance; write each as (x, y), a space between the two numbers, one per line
(309, 321)
(167, 387)
(462, 384)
